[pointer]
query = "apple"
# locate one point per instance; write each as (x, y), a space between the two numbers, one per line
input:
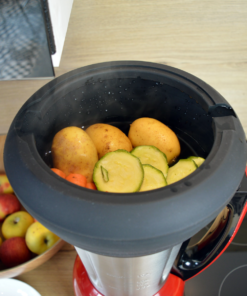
(9, 204)
(16, 224)
(39, 238)
(14, 251)
(5, 186)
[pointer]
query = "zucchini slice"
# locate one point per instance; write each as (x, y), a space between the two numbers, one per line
(198, 160)
(153, 156)
(180, 170)
(118, 171)
(153, 178)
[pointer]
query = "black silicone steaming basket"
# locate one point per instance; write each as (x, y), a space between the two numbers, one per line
(135, 224)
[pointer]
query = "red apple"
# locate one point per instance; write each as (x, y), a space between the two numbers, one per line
(14, 251)
(8, 204)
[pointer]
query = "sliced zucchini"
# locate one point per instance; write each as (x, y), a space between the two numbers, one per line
(153, 178)
(180, 170)
(153, 156)
(198, 160)
(118, 171)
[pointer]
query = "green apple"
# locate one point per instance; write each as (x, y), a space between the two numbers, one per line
(39, 238)
(16, 224)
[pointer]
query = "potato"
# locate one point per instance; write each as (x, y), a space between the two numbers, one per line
(149, 131)
(108, 138)
(73, 151)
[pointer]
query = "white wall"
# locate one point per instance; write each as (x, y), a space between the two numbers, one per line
(60, 13)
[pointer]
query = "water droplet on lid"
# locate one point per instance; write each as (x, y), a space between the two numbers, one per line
(120, 92)
(109, 93)
(83, 126)
(125, 89)
(106, 110)
(75, 99)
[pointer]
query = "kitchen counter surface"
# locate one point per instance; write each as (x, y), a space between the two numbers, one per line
(206, 38)
(54, 277)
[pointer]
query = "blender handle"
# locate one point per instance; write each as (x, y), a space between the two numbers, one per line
(194, 259)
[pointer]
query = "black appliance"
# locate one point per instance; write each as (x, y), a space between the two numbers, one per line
(138, 224)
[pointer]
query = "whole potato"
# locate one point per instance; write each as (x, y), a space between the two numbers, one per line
(149, 131)
(73, 151)
(108, 138)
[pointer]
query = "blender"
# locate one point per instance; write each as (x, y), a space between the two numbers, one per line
(133, 244)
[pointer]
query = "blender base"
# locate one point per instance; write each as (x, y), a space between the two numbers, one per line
(174, 286)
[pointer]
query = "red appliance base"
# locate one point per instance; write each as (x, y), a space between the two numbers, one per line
(174, 286)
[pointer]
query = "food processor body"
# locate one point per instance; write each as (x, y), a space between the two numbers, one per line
(163, 273)
(131, 227)
(139, 276)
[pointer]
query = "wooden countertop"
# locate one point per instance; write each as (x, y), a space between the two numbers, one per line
(54, 277)
(205, 38)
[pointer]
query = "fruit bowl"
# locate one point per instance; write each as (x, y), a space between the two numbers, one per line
(31, 264)
(35, 260)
